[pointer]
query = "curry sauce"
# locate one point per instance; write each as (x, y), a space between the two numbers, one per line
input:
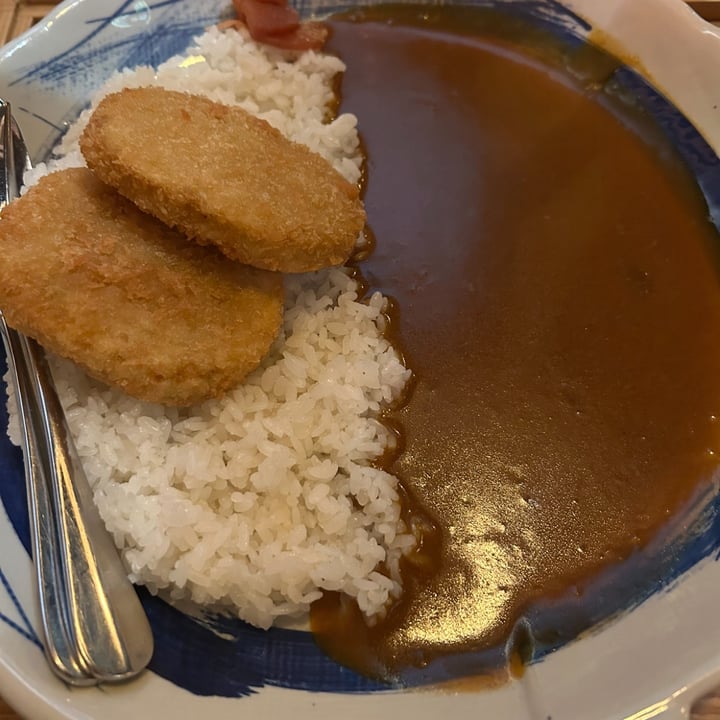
(555, 273)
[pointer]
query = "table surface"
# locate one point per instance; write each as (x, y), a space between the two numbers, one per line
(17, 17)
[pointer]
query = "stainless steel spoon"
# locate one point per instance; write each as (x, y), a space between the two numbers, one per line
(94, 625)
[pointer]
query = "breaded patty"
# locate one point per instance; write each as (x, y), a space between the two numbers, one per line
(224, 177)
(136, 304)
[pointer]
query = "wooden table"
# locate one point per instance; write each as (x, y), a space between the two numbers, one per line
(17, 17)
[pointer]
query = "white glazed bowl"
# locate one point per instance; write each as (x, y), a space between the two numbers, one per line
(648, 662)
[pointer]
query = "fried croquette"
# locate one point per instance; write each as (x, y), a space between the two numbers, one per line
(139, 306)
(224, 177)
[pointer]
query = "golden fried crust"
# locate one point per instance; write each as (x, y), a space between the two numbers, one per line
(94, 279)
(224, 177)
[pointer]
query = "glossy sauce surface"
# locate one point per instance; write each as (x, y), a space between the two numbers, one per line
(559, 304)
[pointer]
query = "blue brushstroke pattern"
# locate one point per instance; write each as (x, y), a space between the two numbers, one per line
(223, 656)
(26, 629)
(250, 660)
(168, 36)
(698, 155)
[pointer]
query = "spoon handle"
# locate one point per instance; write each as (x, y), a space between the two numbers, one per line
(107, 622)
(58, 646)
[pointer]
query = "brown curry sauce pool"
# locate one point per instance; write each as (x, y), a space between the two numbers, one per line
(559, 304)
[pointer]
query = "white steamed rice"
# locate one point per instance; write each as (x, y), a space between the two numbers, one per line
(261, 500)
